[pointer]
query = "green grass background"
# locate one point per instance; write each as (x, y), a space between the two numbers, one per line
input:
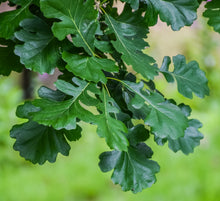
(78, 178)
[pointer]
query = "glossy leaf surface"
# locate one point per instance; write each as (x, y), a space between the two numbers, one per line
(176, 13)
(40, 51)
(164, 118)
(76, 17)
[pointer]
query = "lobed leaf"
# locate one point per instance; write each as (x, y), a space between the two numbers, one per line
(190, 78)
(63, 113)
(89, 68)
(40, 51)
(164, 118)
(190, 140)
(130, 31)
(109, 127)
(212, 12)
(38, 143)
(10, 19)
(191, 137)
(76, 17)
(176, 13)
(133, 169)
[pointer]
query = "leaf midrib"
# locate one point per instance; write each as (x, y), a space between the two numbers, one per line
(79, 32)
(119, 38)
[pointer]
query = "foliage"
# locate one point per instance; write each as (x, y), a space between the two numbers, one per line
(94, 47)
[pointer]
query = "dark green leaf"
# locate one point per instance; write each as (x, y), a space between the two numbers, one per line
(132, 170)
(190, 78)
(77, 17)
(73, 135)
(38, 143)
(8, 60)
(10, 20)
(165, 119)
(63, 113)
(130, 41)
(151, 15)
(190, 140)
(50, 94)
(134, 3)
(89, 68)
(139, 111)
(104, 46)
(160, 141)
(109, 127)
(212, 12)
(165, 69)
(185, 109)
(138, 134)
(40, 51)
(25, 110)
(177, 13)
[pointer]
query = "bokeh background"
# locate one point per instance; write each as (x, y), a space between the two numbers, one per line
(78, 178)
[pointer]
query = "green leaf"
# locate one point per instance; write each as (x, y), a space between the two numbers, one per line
(64, 113)
(190, 78)
(10, 20)
(133, 170)
(190, 140)
(76, 17)
(8, 60)
(38, 143)
(104, 46)
(138, 134)
(130, 31)
(109, 127)
(151, 15)
(136, 106)
(212, 12)
(89, 68)
(73, 135)
(185, 109)
(164, 118)
(40, 51)
(177, 13)
(134, 3)
(47, 93)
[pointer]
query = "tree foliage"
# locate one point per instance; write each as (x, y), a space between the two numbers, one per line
(94, 47)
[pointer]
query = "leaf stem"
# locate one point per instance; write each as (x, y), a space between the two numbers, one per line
(107, 90)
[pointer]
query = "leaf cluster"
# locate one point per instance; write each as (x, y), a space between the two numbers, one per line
(100, 53)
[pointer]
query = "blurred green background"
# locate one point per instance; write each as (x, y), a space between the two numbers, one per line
(78, 178)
